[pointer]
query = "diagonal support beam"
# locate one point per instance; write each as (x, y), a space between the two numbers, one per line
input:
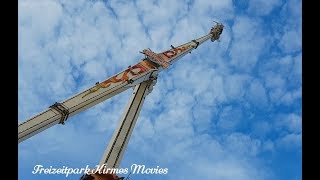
(120, 138)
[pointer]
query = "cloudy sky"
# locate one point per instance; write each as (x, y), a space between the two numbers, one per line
(230, 110)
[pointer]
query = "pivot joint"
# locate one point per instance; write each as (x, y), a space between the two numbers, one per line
(62, 110)
(197, 43)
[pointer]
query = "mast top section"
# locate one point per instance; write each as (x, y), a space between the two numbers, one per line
(166, 58)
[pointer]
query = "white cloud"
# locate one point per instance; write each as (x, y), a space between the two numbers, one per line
(229, 169)
(219, 10)
(206, 156)
(245, 145)
(180, 119)
(297, 69)
(268, 146)
(202, 117)
(290, 97)
(146, 128)
(261, 128)
(283, 78)
(229, 118)
(274, 80)
(290, 122)
(248, 43)
(291, 41)
(235, 86)
(293, 8)
(257, 94)
(290, 141)
(294, 123)
(41, 23)
(261, 7)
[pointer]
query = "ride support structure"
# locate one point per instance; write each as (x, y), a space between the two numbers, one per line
(141, 77)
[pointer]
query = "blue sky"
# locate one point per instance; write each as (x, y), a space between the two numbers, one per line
(230, 110)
